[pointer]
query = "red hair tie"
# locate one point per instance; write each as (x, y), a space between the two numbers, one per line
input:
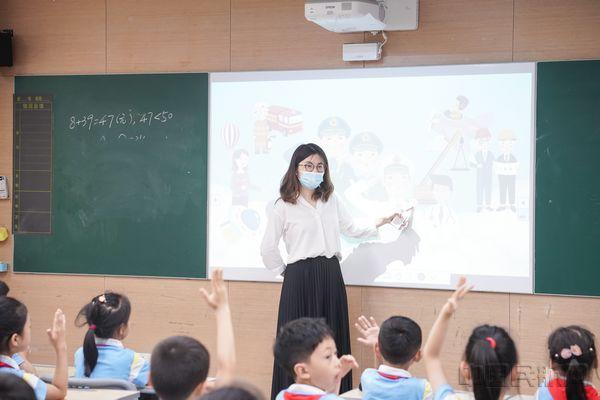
(491, 341)
(93, 327)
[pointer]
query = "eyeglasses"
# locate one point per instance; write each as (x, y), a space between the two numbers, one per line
(310, 167)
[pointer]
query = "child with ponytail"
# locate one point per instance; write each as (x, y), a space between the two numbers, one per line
(572, 351)
(15, 337)
(489, 361)
(103, 355)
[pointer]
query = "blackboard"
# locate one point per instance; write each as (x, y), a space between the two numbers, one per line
(567, 214)
(128, 189)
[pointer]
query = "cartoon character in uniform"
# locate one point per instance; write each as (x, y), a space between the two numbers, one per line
(334, 133)
(506, 166)
(366, 149)
(441, 213)
(483, 162)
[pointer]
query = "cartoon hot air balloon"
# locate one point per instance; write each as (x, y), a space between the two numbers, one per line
(230, 134)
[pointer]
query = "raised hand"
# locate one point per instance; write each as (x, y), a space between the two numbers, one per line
(462, 288)
(57, 334)
(368, 329)
(218, 297)
(347, 363)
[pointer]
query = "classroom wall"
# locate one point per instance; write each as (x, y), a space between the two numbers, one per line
(114, 36)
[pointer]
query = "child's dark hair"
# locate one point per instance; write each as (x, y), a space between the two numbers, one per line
(399, 339)
(235, 391)
(104, 315)
(4, 289)
(491, 354)
(179, 365)
(573, 351)
(13, 316)
(297, 340)
(14, 388)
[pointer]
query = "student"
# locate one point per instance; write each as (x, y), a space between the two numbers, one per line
(4, 289)
(103, 354)
(15, 336)
(180, 363)
(489, 362)
(306, 350)
(397, 346)
(573, 356)
(14, 388)
(235, 391)
(20, 358)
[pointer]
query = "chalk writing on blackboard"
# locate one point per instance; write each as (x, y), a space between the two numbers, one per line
(130, 118)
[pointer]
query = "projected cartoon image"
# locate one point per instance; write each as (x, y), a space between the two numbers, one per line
(454, 148)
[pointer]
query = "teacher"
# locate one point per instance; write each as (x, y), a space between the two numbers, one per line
(310, 218)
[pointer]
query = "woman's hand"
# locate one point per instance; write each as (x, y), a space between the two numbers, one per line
(386, 220)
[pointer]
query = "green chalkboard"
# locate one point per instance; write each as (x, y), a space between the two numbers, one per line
(567, 214)
(128, 174)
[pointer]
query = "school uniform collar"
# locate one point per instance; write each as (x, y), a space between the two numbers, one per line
(401, 373)
(109, 342)
(9, 361)
(306, 389)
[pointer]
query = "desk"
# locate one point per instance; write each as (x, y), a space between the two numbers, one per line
(47, 370)
(102, 394)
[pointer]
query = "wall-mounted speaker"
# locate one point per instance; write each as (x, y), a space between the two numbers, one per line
(6, 58)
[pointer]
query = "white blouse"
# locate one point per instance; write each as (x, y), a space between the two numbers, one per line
(308, 231)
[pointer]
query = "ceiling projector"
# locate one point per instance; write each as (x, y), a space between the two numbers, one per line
(342, 16)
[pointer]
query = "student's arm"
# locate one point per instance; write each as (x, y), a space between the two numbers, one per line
(218, 299)
(347, 363)
(435, 341)
(369, 332)
(57, 390)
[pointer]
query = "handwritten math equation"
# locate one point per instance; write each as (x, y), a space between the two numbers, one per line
(119, 120)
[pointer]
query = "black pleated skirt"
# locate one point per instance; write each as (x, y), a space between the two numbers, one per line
(314, 288)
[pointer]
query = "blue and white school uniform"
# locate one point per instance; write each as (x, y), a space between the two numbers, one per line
(393, 383)
(18, 359)
(305, 392)
(9, 366)
(555, 388)
(445, 392)
(115, 362)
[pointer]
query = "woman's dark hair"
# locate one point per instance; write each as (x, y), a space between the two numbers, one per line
(491, 354)
(13, 316)
(289, 190)
(235, 391)
(104, 315)
(14, 388)
(572, 350)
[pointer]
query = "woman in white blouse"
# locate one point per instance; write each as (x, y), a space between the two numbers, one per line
(310, 219)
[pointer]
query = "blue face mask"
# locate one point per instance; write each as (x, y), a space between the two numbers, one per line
(311, 180)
